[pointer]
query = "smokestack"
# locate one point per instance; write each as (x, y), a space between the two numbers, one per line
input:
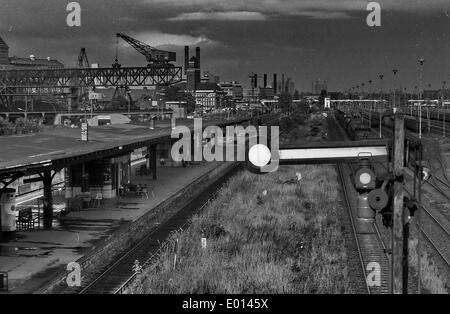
(274, 84)
(282, 83)
(265, 80)
(255, 80)
(197, 56)
(186, 58)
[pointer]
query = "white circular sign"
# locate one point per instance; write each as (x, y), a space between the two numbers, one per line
(259, 155)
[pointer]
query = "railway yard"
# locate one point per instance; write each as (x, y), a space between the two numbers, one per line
(294, 236)
(170, 268)
(433, 220)
(224, 156)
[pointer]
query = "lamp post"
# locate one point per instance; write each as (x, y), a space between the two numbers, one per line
(428, 110)
(370, 105)
(421, 62)
(404, 97)
(415, 93)
(443, 119)
(381, 99)
(363, 104)
(360, 101)
(395, 86)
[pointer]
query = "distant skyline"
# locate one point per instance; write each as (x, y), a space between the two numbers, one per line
(305, 39)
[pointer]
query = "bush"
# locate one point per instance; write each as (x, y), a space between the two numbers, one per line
(4, 126)
(31, 126)
(20, 126)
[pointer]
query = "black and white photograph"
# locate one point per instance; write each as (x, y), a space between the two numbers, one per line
(224, 155)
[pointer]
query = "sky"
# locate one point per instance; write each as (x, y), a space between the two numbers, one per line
(304, 39)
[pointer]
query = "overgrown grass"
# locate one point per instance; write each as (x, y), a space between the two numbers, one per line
(433, 281)
(288, 241)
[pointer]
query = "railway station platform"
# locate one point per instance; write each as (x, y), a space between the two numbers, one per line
(31, 257)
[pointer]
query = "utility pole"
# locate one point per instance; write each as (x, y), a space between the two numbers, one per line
(26, 107)
(398, 219)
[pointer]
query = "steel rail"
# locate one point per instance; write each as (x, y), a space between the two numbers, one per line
(355, 236)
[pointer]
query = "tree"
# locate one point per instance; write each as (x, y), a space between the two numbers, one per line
(285, 101)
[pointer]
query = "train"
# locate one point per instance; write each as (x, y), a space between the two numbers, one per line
(355, 127)
(411, 123)
(432, 112)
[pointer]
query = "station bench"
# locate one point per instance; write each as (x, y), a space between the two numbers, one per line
(26, 220)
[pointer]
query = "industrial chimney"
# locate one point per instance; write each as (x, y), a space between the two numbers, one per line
(282, 83)
(265, 80)
(274, 84)
(186, 58)
(255, 80)
(197, 56)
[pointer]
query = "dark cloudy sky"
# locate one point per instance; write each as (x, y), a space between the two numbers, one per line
(305, 39)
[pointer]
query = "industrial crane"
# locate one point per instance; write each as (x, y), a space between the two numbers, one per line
(81, 96)
(154, 57)
(83, 61)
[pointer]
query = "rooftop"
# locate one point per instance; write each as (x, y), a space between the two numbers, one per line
(2, 43)
(31, 153)
(35, 62)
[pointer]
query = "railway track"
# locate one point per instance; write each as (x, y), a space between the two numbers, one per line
(369, 244)
(115, 278)
(434, 225)
(438, 237)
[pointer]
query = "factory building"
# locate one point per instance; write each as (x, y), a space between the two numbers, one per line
(34, 63)
(207, 92)
(318, 86)
(210, 77)
(19, 63)
(4, 54)
(233, 90)
(31, 62)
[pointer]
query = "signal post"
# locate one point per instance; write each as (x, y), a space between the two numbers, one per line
(376, 198)
(398, 209)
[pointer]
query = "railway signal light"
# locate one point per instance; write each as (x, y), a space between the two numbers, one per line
(365, 182)
(365, 178)
(378, 199)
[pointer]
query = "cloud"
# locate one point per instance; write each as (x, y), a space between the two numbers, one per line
(158, 39)
(220, 16)
(325, 15)
(298, 7)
